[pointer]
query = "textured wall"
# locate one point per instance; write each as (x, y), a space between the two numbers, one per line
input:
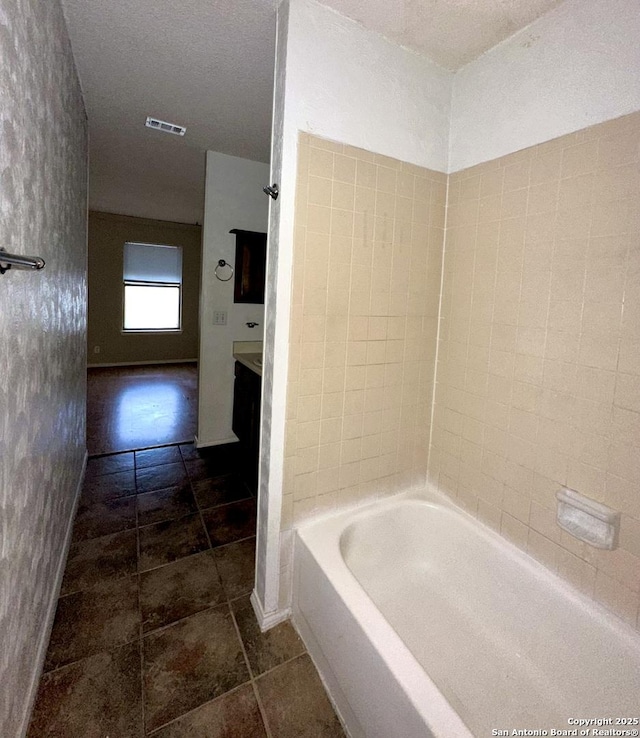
(538, 379)
(43, 189)
(107, 236)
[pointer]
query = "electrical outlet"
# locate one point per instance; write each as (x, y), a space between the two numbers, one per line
(96, 349)
(220, 317)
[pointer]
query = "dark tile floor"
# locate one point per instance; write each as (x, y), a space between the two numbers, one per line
(154, 634)
(136, 407)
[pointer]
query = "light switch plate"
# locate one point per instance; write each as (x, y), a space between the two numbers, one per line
(220, 317)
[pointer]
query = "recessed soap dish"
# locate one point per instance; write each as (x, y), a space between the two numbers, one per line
(588, 520)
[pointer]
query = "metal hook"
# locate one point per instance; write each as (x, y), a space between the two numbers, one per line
(271, 191)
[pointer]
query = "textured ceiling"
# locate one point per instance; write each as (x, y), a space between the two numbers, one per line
(208, 65)
(450, 32)
(204, 64)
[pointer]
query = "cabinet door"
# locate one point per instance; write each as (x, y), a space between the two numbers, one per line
(251, 259)
(246, 421)
(242, 404)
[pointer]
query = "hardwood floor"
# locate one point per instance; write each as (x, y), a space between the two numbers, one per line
(136, 407)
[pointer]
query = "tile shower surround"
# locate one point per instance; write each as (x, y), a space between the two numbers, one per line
(366, 277)
(538, 365)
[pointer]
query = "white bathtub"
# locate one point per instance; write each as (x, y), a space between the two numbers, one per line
(423, 623)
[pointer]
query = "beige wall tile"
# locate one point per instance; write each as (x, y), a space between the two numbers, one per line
(615, 596)
(545, 551)
(552, 292)
(576, 571)
(514, 530)
(320, 162)
(539, 353)
(367, 270)
(344, 169)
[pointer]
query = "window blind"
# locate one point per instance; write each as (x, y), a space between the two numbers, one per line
(144, 262)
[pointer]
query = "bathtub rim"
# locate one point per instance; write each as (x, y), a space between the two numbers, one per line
(322, 538)
(423, 694)
(310, 531)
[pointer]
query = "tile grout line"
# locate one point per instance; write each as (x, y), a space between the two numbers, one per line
(140, 637)
(252, 678)
(143, 696)
(206, 530)
(91, 655)
(213, 548)
(141, 633)
(88, 589)
(166, 627)
(163, 628)
(195, 709)
(304, 652)
(140, 625)
(120, 452)
(261, 709)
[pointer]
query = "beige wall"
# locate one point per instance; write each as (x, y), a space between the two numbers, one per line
(366, 283)
(107, 236)
(43, 200)
(538, 379)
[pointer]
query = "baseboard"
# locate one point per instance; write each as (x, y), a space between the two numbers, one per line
(217, 442)
(269, 620)
(142, 363)
(45, 633)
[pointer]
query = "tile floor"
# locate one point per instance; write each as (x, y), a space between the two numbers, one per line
(134, 407)
(154, 634)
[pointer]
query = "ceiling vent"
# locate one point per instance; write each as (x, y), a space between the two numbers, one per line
(162, 125)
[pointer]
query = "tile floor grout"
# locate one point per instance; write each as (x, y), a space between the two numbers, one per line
(137, 449)
(204, 525)
(230, 603)
(227, 601)
(263, 714)
(155, 568)
(195, 709)
(261, 709)
(142, 689)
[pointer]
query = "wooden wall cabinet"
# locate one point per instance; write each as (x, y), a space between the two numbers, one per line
(251, 261)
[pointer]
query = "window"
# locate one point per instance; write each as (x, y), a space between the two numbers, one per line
(152, 287)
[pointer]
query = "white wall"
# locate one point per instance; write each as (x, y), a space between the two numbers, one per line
(274, 383)
(233, 199)
(337, 80)
(351, 85)
(576, 66)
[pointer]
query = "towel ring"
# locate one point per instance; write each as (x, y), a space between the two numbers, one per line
(221, 265)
